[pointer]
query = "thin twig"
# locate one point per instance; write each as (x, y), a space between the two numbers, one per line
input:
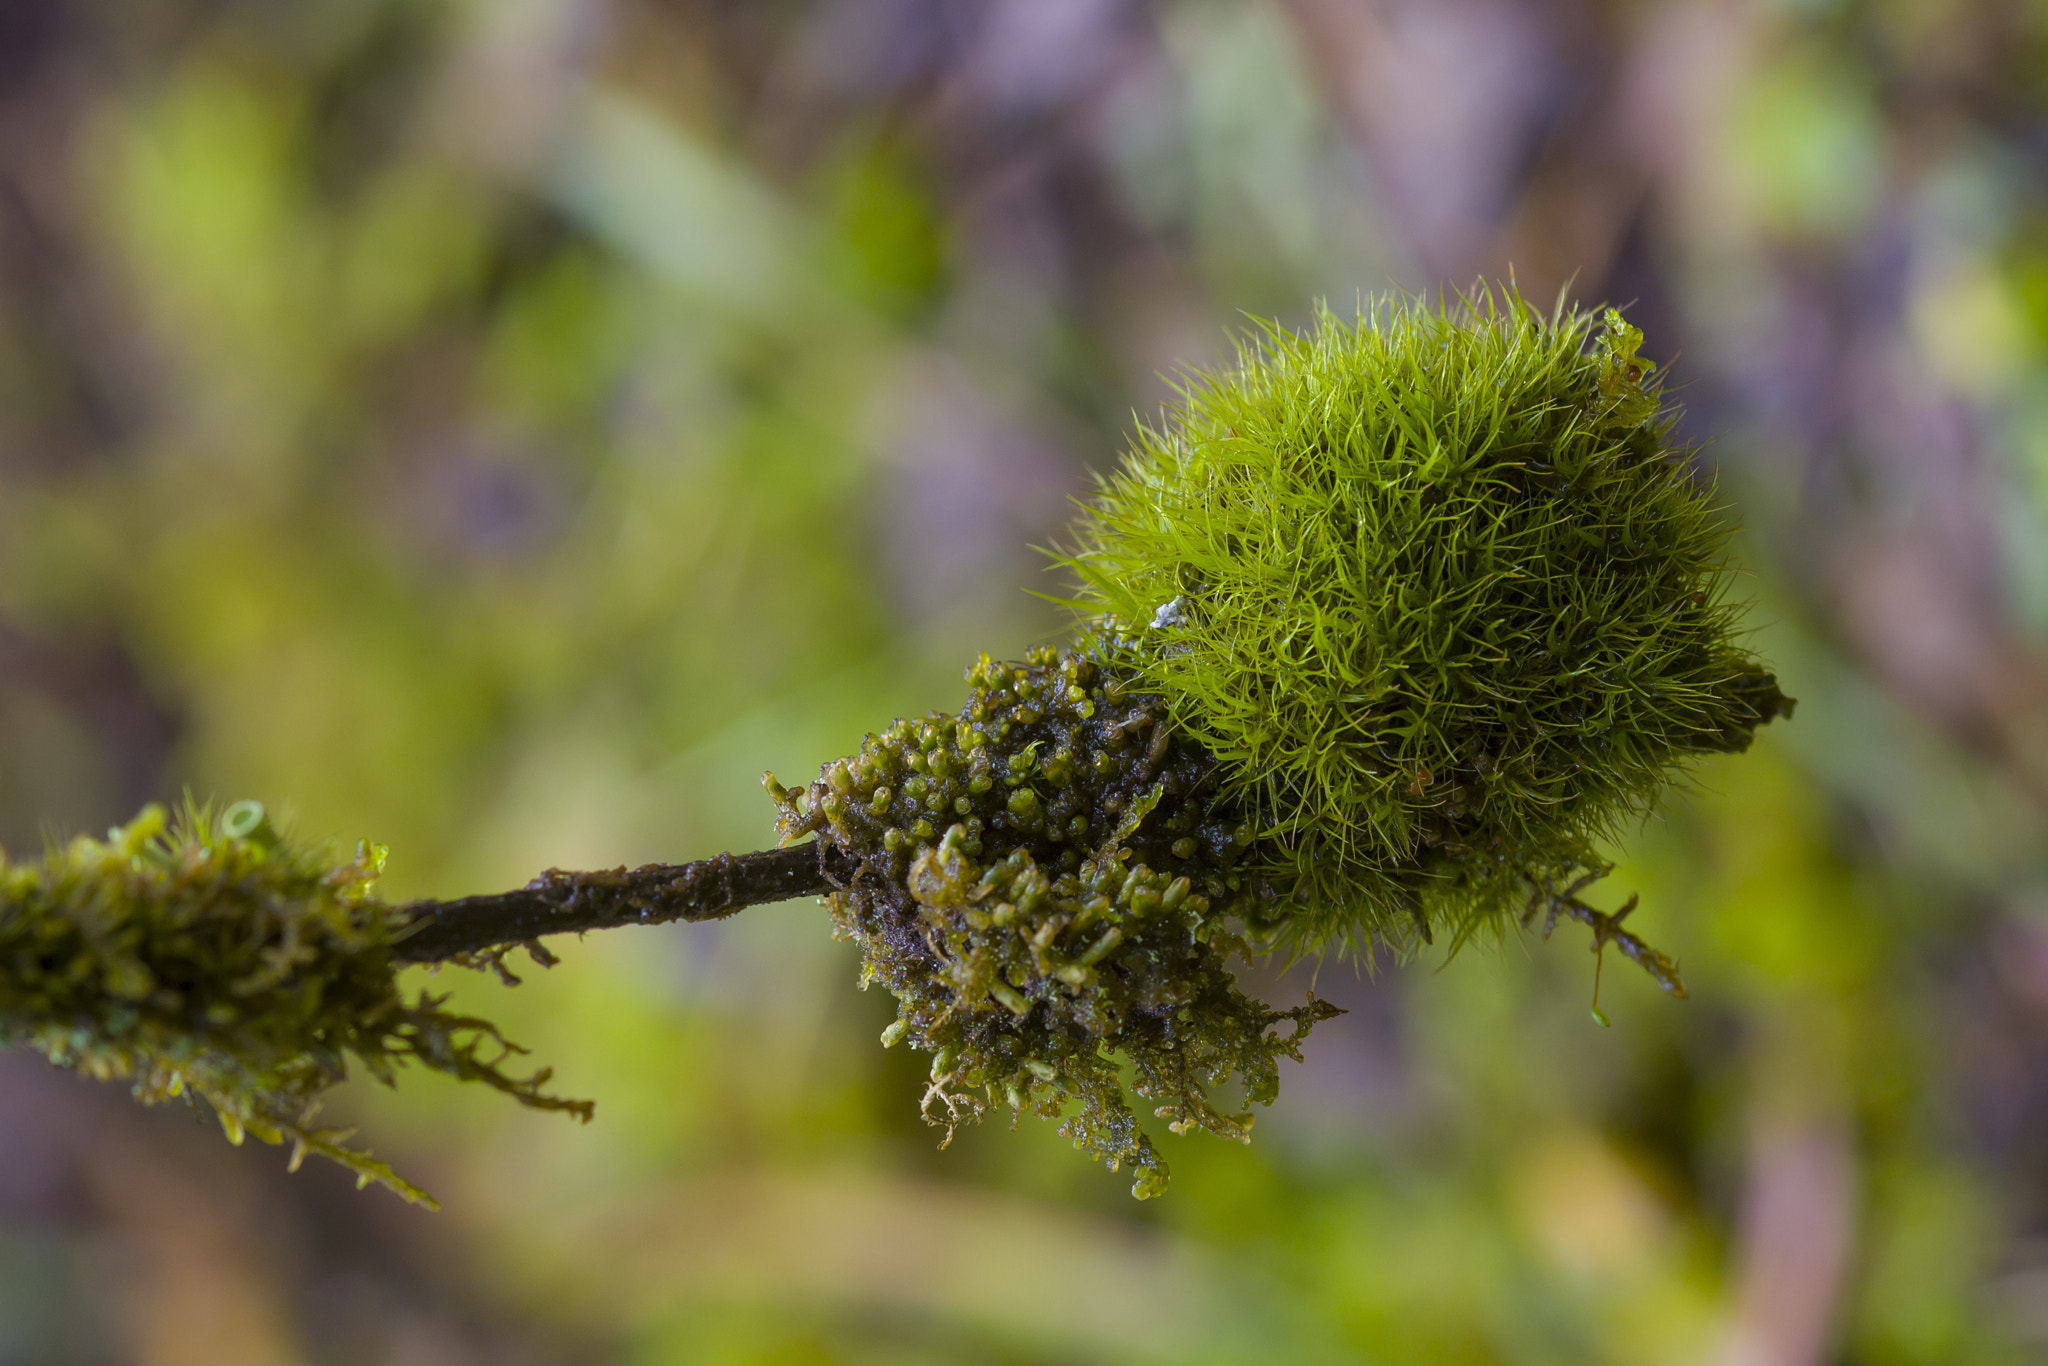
(559, 903)
(1606, 927)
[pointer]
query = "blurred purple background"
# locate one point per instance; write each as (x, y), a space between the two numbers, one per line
(504, 429)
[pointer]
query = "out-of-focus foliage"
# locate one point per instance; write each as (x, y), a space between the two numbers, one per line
(510, 427)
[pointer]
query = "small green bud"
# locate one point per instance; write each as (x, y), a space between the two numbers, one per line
(248, 821)
(1100, 949)
(1011, 999)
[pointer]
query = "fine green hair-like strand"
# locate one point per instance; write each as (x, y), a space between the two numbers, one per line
(1437, 590)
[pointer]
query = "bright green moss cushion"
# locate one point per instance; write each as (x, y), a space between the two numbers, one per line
(1438, 591)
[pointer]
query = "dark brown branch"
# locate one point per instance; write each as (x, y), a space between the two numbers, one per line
(558, 903)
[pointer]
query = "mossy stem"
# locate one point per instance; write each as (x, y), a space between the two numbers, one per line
(560, 902)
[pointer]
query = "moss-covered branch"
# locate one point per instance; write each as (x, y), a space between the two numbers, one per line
(1387, 624)
(208, 957)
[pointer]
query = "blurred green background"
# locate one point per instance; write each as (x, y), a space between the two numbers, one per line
(503, 428)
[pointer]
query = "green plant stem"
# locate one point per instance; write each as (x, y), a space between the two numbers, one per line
(557, 902)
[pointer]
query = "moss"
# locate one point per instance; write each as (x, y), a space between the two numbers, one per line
(1052, 884)
(1440, 594)
(1380, 634)
(211, 960)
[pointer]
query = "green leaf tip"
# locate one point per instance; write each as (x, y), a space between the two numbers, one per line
(211, 959)
(1439, 594)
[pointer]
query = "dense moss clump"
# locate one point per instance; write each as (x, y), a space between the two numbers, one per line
(209, 958)
(1077, 914)
(1439, 595)
(1381, 633)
